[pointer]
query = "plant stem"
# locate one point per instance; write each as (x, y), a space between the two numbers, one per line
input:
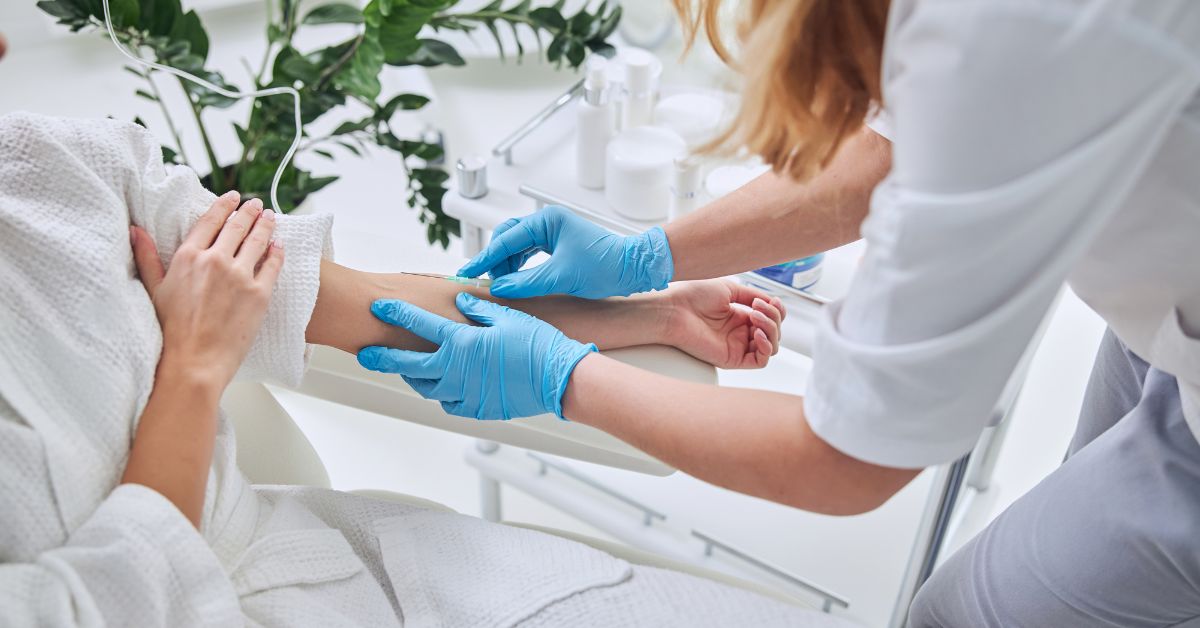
(480, 16)
(328, 72)
(217, 177)
(167, 115)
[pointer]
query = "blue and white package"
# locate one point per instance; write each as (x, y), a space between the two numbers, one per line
(799, 274)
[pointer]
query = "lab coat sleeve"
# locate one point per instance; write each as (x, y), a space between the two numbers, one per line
(1019, 129)
(137, 561)
(167, 200)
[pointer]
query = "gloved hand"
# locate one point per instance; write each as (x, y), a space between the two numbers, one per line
(516, 366)
(586, 260)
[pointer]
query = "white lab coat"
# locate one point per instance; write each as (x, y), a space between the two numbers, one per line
(79, 341)
(1034, 142)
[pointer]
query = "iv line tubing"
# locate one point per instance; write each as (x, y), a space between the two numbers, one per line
(270, 91)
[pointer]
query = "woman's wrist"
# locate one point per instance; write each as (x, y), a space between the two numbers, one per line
(187, 371)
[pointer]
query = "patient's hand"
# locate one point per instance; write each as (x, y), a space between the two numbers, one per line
(726, 324)
(212, 300)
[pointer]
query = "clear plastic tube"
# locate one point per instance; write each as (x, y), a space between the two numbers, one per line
(270, 91)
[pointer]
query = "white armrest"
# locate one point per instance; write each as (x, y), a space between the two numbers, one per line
(336, 376)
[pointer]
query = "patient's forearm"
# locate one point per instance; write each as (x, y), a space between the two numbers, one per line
(173, 447)
(342, 317)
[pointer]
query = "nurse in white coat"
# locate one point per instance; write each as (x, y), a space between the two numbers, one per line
(1017, 145)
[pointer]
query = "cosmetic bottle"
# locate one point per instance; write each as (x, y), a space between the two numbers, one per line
(641, 89)
(685, 188)
(593, 126)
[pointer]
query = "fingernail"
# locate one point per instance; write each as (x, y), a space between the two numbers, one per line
(230, 195)
(132, 236)
(757, 301)
(254, 202)
(277, 243)
(368, 357)
(269, 214)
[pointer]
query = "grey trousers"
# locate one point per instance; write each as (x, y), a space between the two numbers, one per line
(1111, 538)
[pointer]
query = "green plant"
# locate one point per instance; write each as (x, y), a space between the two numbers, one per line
(389, 33)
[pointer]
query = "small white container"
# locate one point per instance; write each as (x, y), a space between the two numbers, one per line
(639, 170)
(594, 126)
(685, 188)
(696, 117)
(641, 88)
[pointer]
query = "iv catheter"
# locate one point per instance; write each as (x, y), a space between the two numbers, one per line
(465, 281)
(270, 91)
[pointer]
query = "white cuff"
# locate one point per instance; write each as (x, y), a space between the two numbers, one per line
(280, 353)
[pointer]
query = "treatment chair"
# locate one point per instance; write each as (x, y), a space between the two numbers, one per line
(273, 450)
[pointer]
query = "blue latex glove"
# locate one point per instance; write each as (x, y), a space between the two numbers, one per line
(516, 366)
(586, 260)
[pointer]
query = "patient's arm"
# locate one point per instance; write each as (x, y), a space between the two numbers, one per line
(698, 317)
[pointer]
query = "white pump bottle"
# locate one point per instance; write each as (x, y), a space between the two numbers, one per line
(593, 125)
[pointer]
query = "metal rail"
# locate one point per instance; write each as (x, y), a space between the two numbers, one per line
(830, 598)
(505, 147)
(648, 514)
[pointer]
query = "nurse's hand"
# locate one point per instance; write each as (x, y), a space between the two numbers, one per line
(723, 323)
(586, 260)
(514, 366)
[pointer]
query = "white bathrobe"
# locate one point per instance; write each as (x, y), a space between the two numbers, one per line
(79, 342)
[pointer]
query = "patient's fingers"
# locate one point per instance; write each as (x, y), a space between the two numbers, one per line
(768, 318)
(255, 244)
(763, 323)
(145, 257)
(237, 227)
(271, 264)
(206, 229)
(763, 349)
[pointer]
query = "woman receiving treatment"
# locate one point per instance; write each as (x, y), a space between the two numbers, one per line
(122, 502)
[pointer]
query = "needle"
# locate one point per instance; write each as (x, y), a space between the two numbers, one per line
(466, 281)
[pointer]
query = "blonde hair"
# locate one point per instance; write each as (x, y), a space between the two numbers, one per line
(812, 73)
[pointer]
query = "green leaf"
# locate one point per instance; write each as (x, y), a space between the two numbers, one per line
(557, 49)
(433, 52)
(125, 13)
(609, 25)
(420, 150)
(170, 156)
(60, 10)
(334, 14)
(430, 177)
(491, 26)
(324, 153)
(158, 16)
(406, 102)
(352, 126)
(360, 77)
(300, 68)
(576, 53)
(350, 147)
(275, 34)
(188, 28)
(548, 18)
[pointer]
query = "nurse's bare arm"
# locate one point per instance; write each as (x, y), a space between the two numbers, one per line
(773, 219)
(749, 441)
(721, 323)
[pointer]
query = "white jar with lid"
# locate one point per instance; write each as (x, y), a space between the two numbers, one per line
(639, 169)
